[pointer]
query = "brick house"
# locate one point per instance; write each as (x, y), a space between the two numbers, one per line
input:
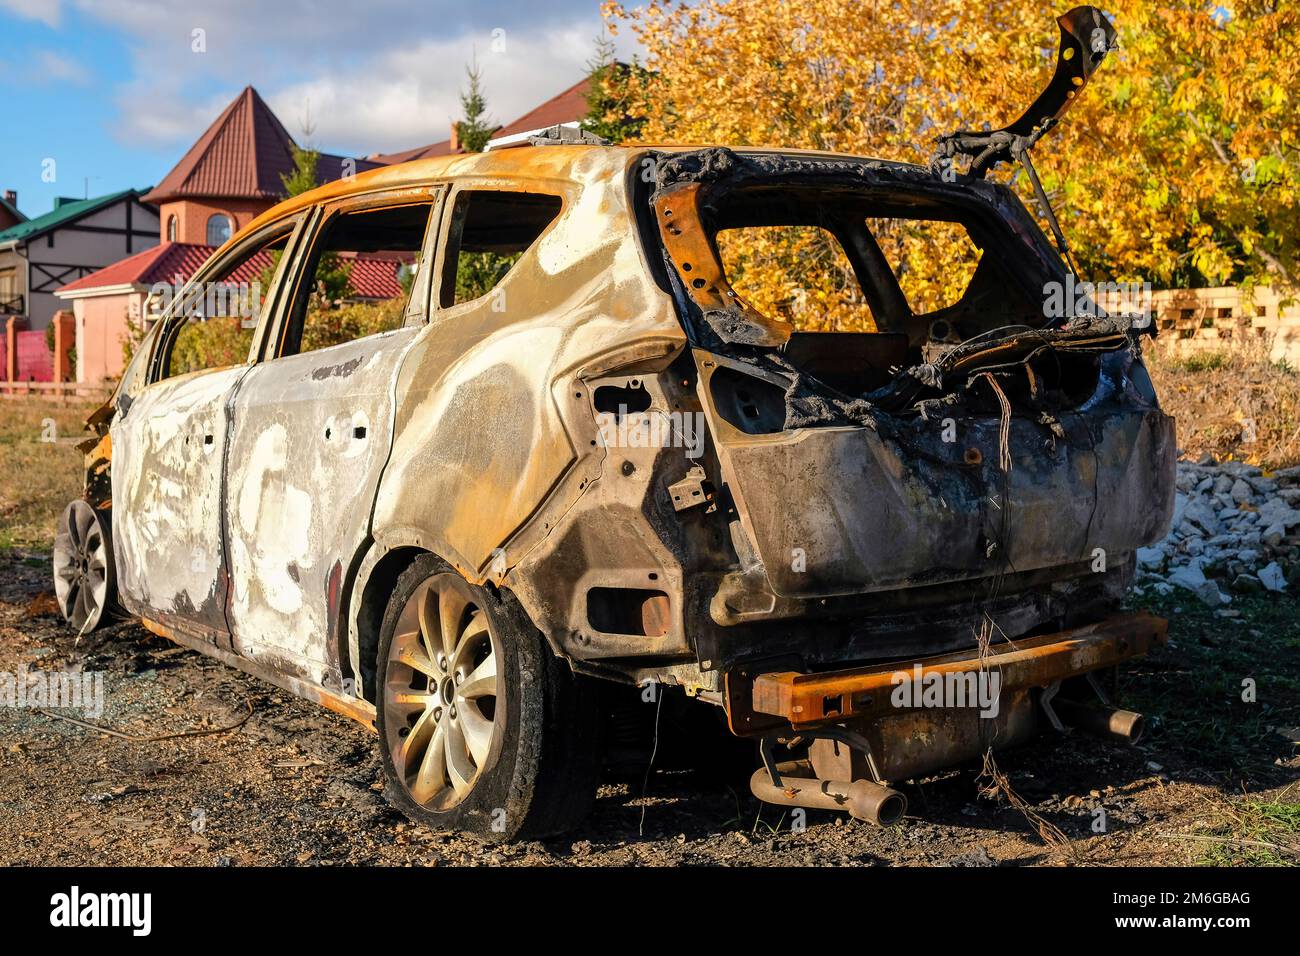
(233, 174)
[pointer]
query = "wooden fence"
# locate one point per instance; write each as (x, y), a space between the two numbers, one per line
(69, 392)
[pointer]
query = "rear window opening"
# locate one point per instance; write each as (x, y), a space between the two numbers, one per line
(849, 292)
(490, 231)
(870, 284)
(855, 261)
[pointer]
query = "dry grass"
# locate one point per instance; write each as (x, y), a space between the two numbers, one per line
(1232, 403)
(1253, 832)
(38, 477)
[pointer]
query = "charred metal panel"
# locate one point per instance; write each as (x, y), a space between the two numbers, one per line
(495, 423)
(626, 537)
(167, 476)
(312, 434)
(842, 510)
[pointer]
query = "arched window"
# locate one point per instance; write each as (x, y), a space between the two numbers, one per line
(218, 229)
(171, 228)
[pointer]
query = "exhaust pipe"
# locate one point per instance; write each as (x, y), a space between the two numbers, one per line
(1109, 722)
(863, 799)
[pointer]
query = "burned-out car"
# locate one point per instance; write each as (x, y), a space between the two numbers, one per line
(567, 449)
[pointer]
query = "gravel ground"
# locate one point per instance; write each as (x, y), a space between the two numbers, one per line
(294, 784)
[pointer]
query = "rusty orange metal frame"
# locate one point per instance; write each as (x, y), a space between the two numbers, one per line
(358, 710)
(806, 700)
(696, 259)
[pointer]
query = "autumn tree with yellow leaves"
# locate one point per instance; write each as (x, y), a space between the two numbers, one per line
(1178, 165)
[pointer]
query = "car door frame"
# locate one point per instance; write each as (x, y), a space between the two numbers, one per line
(160, 341)
(280, 644)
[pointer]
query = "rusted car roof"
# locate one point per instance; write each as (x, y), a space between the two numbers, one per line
(576, 163)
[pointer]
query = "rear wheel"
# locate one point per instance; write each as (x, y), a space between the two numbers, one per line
(482, 728)
(84, 583)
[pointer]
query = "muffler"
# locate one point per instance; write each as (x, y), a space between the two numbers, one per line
(863, 799)
(1109, 722)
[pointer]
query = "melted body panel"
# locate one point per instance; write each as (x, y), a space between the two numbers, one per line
(169, 454)
(311, 437)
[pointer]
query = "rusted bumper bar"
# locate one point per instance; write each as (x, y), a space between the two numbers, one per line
(806, 700)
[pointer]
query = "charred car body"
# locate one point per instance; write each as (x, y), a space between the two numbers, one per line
(445, 530)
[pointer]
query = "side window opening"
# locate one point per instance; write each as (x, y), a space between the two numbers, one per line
(490, 230)
(214, 324)
(359, 278)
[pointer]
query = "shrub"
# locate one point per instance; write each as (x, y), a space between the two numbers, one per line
(1235, 402)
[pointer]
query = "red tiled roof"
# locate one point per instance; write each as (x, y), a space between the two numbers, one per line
(242, 154)
(442, 148)
(566, 107)
(375, 277)
(159, 264)
(372, 277)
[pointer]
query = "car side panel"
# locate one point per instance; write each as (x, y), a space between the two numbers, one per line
(494, 434)
(166, 476)
(311, 437)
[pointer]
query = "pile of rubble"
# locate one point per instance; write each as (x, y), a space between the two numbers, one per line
(1236, 531)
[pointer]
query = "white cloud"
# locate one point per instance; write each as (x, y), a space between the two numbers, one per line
(49, 12)
(57, 68)
(376, 78)
(410, 96)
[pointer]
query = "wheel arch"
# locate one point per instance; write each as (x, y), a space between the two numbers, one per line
(376, 576)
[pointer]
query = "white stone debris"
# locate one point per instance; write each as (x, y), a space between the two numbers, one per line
(1235, 531)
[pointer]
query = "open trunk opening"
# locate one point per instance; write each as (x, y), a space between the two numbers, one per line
(855, 291)
(892, 400)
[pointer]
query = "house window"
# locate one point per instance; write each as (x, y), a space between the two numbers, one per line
(218, 229)
(171, 228)
(9, 297)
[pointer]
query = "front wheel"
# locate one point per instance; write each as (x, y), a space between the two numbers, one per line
(84, 583)
(482, 728)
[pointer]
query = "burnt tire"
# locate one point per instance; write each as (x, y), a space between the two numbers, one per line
(85, 579)
(537, 774)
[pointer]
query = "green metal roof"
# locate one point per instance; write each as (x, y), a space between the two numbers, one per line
(64, 213)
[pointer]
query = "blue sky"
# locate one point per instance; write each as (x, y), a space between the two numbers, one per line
(114, 91)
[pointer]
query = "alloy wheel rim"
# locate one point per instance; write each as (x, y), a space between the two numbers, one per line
(81, 566)
(442, 712)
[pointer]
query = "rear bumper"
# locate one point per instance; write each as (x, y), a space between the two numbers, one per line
(766, 702)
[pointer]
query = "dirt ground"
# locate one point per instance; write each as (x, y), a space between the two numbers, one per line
(294, 784)
(1216, 779)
